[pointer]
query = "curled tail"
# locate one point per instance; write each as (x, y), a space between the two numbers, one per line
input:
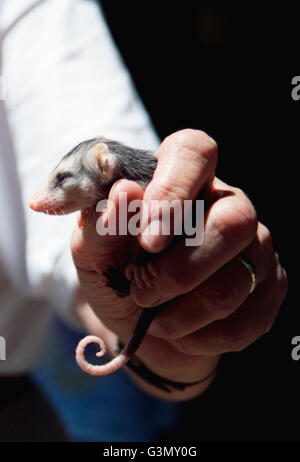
(103, 369)
(126, 354)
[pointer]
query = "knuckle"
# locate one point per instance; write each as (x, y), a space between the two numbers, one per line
(246, 206)
(197, 141)
(275, 272)
(210, 147)
(180, 278)
(268, 322)
(222, 299)
(266, 238)
(236, 340)
(169, 190)
(267, 327)
(239, 222)
(184, 346)
(283, 283)
(249, 217)
(267, 258)
(240, 337)
(169, 331)
(201, 139)
(229, 296)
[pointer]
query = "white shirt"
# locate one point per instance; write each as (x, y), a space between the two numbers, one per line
(65, 82)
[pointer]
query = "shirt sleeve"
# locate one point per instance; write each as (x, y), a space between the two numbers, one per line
(65, 82)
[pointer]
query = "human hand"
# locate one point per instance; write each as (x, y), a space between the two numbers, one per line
(210, 311)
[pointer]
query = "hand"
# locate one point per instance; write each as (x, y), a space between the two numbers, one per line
(210, 311)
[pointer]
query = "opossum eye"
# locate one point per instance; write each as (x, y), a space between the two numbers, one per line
(61, 177)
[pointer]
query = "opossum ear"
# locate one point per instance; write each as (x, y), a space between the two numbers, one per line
(105, 160)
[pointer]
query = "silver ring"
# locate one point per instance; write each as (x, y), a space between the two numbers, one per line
(251, 271)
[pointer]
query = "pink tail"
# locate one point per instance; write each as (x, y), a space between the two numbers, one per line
(105, 369)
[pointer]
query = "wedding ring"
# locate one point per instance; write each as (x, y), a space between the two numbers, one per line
(252, 273)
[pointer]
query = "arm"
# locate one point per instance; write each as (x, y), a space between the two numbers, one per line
(65, 86)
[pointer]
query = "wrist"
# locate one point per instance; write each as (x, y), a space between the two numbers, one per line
(172, 384)
(168, 386)
(186, 394)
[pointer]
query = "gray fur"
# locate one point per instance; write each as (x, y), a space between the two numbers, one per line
(80, 179)
(133, 164)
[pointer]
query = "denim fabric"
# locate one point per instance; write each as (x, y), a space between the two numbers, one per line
(97, 409)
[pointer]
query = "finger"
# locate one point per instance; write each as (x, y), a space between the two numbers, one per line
(231, 225)
(122, 197)
(250, 322)
(160, 356)
(90, 249)
(186, 164)
(219, 296)
(216, 299)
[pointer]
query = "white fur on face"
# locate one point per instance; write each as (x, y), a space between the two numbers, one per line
(80, 190)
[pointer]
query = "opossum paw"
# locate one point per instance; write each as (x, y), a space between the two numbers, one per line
(117, 281)
(142, 275)
(103, 282)
(129, 272)
(83, 218)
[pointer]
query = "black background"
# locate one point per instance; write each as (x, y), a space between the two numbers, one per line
(228, 71)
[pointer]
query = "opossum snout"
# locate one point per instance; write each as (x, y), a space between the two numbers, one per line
(47, 203)
(35, 205)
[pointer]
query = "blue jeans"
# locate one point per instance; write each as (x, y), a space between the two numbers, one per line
(97, 409)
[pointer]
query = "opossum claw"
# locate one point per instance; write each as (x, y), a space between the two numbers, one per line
(129, 272)
(117, 281)
(82, 218)
(143, 275)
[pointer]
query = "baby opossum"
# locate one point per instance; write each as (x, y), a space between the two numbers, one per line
(82, 178)
(85, 175)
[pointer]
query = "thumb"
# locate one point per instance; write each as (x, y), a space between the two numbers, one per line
(104, 240)
(186, 165)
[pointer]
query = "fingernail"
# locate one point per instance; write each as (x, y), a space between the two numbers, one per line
(155, 236)
(145, 297)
